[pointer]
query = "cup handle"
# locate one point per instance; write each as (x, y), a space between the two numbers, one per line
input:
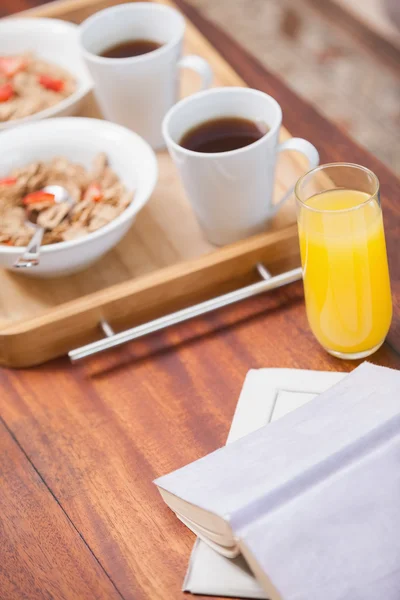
(309, 151)
(200, 66)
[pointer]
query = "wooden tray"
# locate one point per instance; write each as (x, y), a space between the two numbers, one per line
(163, 264)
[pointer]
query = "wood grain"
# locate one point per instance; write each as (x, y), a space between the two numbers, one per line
(99, 433)
(116, 423)
(42, 555)
(148, 297)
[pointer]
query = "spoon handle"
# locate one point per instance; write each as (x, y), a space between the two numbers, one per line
(30, 258)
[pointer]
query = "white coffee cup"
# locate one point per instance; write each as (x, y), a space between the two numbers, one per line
(231, 192)
(137, 91)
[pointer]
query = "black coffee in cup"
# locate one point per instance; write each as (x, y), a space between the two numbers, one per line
(223, 134)
(130, 48)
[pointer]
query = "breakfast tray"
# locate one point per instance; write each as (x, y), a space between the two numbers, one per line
(163, 272)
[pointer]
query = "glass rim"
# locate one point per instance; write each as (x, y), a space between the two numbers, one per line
(337, 164)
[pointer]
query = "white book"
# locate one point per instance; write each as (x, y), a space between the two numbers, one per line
(310, 500)
(267, 395)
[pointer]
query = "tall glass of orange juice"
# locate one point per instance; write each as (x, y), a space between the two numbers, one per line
(344, 260)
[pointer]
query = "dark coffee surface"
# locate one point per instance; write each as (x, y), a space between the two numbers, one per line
(130, 48)
(223, 134)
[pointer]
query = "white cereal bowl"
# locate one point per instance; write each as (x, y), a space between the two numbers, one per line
(55, 41)
(79, 140)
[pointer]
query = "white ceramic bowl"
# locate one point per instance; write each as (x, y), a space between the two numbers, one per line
(80, 139)
(52, 40)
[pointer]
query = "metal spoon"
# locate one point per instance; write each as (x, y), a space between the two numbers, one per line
(30, 258)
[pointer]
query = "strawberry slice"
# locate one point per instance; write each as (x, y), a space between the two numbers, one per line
(11, 65)
(8, 181)
(55, 85)
(6, 92)
(36, 197)
(93, 192)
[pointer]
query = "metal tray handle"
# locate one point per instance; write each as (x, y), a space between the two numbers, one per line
(112, 339)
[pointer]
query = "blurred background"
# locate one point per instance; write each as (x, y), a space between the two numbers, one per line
(343, 56)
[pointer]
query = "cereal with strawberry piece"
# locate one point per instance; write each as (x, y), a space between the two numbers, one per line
(29, 84)
(98, 194)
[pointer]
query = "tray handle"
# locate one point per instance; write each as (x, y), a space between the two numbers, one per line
(111, 339)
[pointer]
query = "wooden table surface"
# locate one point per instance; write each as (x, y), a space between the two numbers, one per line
(80, 446)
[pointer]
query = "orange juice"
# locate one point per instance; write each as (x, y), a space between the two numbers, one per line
(345, 271)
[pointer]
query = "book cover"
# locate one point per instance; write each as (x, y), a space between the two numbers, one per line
(287, 483)
(267, 395)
